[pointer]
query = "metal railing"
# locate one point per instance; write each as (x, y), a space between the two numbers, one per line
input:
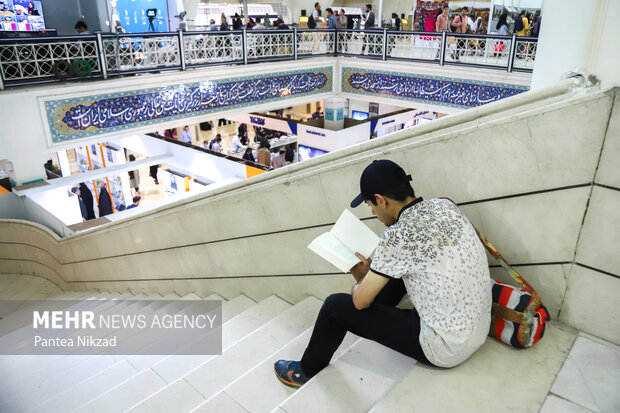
(37, 60)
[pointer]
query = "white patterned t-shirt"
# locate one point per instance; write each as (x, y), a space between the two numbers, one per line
(435, 250)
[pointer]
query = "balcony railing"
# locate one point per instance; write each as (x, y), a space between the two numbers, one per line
(38, 60)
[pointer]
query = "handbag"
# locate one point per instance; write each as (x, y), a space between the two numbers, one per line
(518, 316)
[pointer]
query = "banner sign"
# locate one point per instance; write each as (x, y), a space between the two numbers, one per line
(111, 327)
(459, 93)
(75, 118)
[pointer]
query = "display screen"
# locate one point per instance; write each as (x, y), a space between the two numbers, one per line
(357, 115)
(306, 152)
(21, 16)
(140, 16)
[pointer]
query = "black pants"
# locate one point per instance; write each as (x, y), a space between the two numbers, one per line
(381, 322)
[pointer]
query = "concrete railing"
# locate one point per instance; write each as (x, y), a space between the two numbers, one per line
(535, 173)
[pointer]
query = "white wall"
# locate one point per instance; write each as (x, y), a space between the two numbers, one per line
(11, 207)
(60, 203)
(198, 163)
(592, 44)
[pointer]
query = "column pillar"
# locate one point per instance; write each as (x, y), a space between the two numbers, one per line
(334, 113)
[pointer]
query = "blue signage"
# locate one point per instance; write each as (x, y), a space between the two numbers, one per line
(139, 16)
(94, 115)
(255, 120)
(311, 132)
(429, 89)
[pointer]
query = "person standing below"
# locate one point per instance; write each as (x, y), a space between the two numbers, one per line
(522, 24)
(316, 13)
(217, 136)
(136, 202)
(264, 155)
(105, 202)
(369, 20)
(186, 136)
(396, 21)
(217, 145)
(522, 27)
(342, 20)
(236, 144)
(279, 161)
(281, 25)
(369, 24)
(237, 22)
(431, 252)
(87, 198)
(459, 25)
(153, 172)
(441, 25)
(331, 19)
(224, 24)
(248, 156)
(289, 156)
(258, 25)
(82, 28)
(76, 191)
(537, 22)
(266, 20)
(134, 176)
(502, 28)
(212, 26)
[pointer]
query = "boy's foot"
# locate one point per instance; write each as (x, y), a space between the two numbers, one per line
(289, 372)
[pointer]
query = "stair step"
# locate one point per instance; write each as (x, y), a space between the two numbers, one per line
(229, 309)
(16, 365)
(86, 390)
(222, 402)
(180, 394)
(174, 367)
(214, 376)
(354, 382)
(68, 370)
(33, 379)
(260, 390)
(125, 393)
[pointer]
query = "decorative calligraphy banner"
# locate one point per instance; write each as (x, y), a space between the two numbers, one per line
(444, 91)
(94, 115)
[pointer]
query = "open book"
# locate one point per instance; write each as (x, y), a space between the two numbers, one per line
(347, 237)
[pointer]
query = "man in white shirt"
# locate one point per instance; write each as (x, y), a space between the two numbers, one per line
(429, 251)
(258, 25)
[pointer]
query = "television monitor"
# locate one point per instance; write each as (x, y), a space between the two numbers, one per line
(21, 16)
(357, 115)
(306, 152)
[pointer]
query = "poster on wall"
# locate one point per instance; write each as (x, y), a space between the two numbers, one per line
(140, 16)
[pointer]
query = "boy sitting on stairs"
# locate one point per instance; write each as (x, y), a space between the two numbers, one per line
(429, 251)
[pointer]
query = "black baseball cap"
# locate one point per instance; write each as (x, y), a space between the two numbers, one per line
(379, 177)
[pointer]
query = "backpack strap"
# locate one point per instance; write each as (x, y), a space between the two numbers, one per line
(513, 273)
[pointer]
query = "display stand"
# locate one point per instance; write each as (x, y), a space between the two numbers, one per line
(93, 157)
(276, 144)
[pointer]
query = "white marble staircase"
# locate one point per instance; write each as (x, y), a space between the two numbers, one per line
(363, 375)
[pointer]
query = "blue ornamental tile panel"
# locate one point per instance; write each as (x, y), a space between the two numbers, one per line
(94, 115)
(458, 93)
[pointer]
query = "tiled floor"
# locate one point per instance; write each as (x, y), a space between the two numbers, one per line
(589, 379)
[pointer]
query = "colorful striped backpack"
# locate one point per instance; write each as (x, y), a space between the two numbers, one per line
(518, 316)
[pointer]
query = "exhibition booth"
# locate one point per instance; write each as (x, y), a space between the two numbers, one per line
(313, 139)
(104, 170)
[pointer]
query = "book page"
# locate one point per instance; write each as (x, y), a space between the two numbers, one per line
(354, 234)
(332, 250)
